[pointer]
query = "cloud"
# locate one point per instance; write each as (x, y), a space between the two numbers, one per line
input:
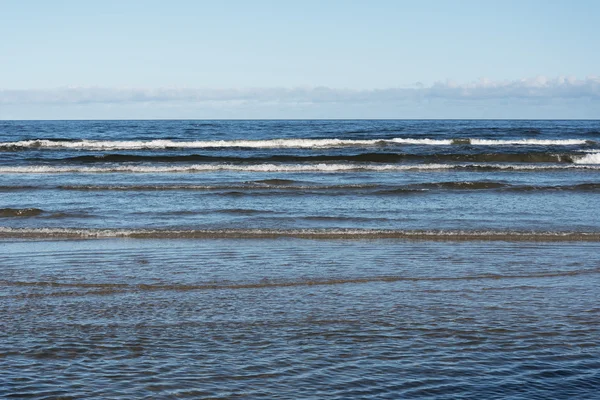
(539, 88)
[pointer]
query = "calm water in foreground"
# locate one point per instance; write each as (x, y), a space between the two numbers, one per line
(300, 259)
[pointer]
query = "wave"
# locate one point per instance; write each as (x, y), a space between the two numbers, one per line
(469, 185)
(35, 212)
(272, 143)
(538, 157)
(367, 188)
(341, 218)
(66, 215)
(19, 212)
(231, 211)
(503, 186)
(274, 182)
(242, 211)
(592, 158)
(238, 189)
(529, 142)
(322, 167)
(46, 169)
(439, 235)
(18, 188)
(485, 185)
(279, 187)
(170, 144)
(110, 288)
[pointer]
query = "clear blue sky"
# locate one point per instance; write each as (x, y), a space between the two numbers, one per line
(241, 45)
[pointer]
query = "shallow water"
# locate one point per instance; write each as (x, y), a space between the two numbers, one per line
(299, 259)
(295, 318)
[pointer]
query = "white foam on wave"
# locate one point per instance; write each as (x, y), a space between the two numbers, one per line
(431, 142)
(323, 167)
(47, 169)
(592, 158)
(270, 143)
(166, 144)
(530, 142)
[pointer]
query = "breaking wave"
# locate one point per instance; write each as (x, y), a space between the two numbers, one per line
(322, 167)
(592, 158)
(271, 143)
(530, 142)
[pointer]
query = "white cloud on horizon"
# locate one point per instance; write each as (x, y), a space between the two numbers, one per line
(538, 89)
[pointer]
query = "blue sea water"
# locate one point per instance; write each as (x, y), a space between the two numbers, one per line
(299, 259)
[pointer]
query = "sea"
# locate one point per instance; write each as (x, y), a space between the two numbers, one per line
(309, 259)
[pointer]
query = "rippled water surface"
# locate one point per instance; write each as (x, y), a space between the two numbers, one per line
(300, 318)
(300, 259)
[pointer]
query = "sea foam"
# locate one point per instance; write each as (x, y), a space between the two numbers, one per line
(592, 158)
(322, 167)
(528, 142)
(271, 143)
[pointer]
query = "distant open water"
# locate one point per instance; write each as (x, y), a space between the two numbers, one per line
(300, 259)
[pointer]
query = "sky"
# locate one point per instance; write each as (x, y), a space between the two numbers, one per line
(299, 59)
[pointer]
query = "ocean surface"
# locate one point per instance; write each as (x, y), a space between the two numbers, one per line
(320, 259)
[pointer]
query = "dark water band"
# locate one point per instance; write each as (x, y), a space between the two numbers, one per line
(529, 157)
(278, 186)
(82, 289)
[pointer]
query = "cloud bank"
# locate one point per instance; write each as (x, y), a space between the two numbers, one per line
(539, 88)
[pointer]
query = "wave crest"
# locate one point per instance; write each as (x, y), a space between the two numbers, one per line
(272, 143)
(592, 158)
(322, 167)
